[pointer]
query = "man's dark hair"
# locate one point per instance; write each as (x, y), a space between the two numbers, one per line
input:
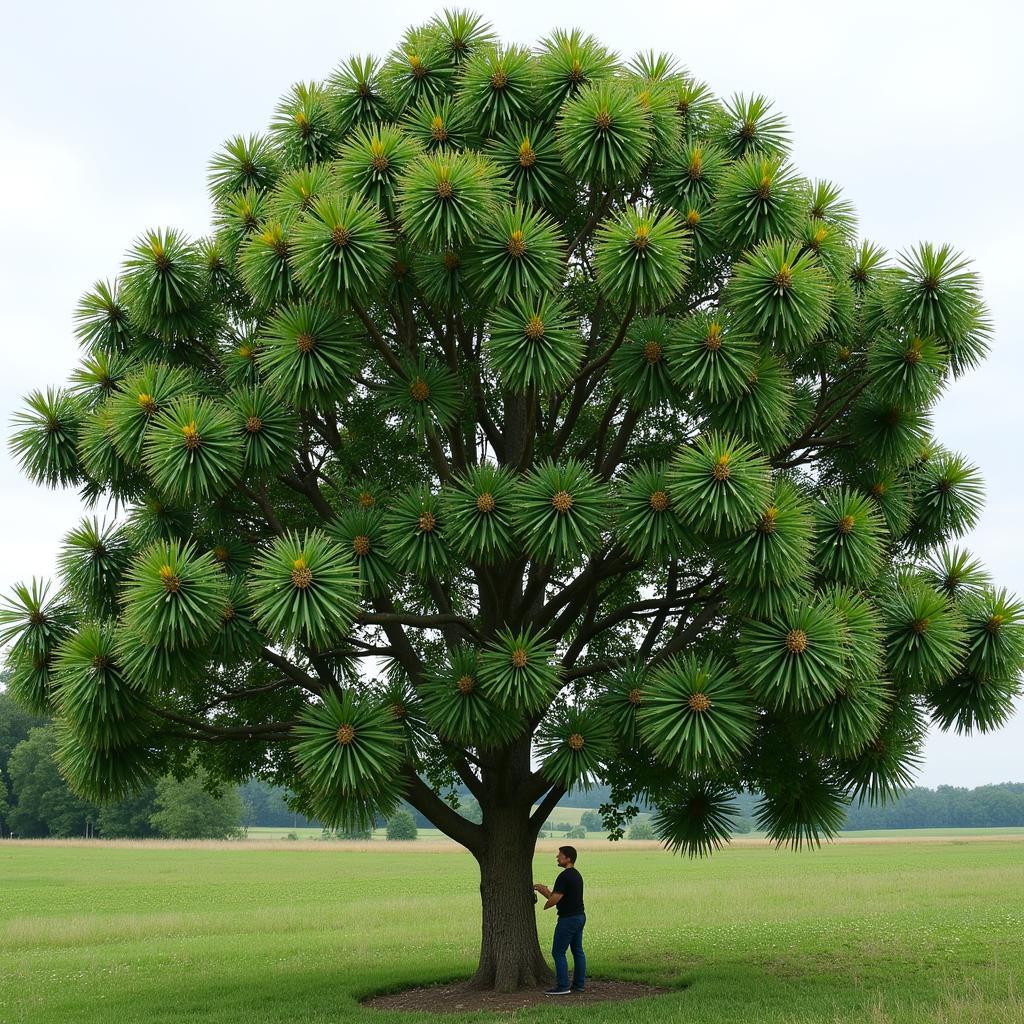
(569, 851)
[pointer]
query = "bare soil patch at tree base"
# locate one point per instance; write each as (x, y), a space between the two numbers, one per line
(456, 997)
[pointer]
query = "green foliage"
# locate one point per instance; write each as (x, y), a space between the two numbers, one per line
(304, 127)
(777, 548)
(138, 401)
(43, 805)
(518, 672)
(92, 695)
(719, 484)
(162, 284)
(173, 595)
(308, 354)
(360, 531)
(887, 765)
(425, 396)
(373, 161)
(527, 155)
(573, 742)
(416, 534)
(34, 625)
(496, 87)
(848, 537)
(243, 162)
(711, 357)
(305, 586)
(641, 368)
(646, 521)
(641, 257)
(759, 198)
(267, 429)
(534, 343)
(948, 495)
(696, 714)
(641, 830)
(46, 436)
(478, 510)
(129, 818)
(907, 371)
(623, 699)
(101, 319)
(437, 124)
(459, 709)
(924, 634)
(356, 94)
(446, 200)
(92, 564)
(780, 293)
(186, 809)
(933, 292)
(808, 806)
(559, 511)
(747, 126)
(695, 817)
(341, 249)
(604, 134)
(795, 660)
(851, 719)
(193, 449)
(519, 252)
(401, 826)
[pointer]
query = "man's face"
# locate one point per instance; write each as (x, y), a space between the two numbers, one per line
(561, 860)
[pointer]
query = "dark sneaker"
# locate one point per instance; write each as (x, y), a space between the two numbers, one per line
(575, 989)
(556, 991)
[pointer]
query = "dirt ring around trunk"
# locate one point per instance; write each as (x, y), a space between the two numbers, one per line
(456, 997)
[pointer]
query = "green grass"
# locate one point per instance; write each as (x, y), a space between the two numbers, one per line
(873, 933)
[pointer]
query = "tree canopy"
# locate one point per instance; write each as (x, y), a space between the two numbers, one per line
(526, 419)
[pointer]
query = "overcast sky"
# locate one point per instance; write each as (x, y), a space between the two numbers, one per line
(109, 112)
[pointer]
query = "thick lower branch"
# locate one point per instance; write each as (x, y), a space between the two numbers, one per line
(448, 820)
(546, 806)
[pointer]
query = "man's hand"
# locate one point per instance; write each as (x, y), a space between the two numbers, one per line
(542, 889)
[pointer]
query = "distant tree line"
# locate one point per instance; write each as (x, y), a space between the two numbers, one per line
(997, 806)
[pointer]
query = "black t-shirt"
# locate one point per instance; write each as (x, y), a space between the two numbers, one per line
(570, 884)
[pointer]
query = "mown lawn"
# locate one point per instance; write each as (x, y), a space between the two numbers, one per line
(908, 931)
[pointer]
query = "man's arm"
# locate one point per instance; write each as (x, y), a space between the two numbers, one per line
(552, 897)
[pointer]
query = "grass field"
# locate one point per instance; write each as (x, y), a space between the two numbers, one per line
(873, 932)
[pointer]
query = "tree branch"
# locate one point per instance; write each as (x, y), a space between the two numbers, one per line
(545, 807)
(449, 821)
(420, 621)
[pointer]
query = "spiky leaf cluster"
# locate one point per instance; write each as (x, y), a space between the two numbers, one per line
(305, 586)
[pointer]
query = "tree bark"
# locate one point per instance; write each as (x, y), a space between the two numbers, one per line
(510, 953)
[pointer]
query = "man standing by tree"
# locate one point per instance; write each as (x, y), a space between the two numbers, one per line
(567, 895)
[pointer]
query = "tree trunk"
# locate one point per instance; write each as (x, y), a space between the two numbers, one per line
(510, 953)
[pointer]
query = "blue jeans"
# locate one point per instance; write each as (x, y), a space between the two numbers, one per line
(569, 935)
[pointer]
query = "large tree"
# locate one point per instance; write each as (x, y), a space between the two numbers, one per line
(526, 419)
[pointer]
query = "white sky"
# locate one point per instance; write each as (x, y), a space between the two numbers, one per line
(109, 112)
